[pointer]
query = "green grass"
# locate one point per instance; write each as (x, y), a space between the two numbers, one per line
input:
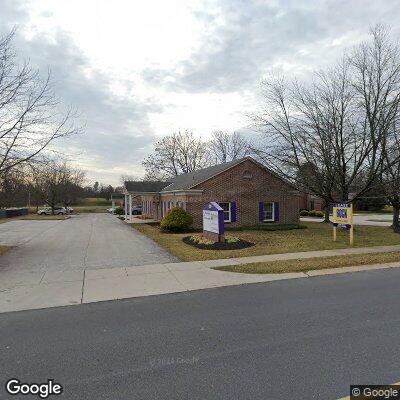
(91, 209)
(317, 236)
(93, 201)
(299, 265)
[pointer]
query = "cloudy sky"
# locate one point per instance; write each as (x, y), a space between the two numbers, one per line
(137, 70)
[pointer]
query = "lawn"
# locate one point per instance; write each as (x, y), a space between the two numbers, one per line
(317, 236)
(90, 208)
(298, 265)
(91, 205)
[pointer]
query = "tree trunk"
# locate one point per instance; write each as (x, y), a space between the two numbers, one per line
(395, 221)
(326, 211)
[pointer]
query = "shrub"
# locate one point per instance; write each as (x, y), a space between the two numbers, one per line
(319, 214)
(304, 213)
(176, 220)
(312, 213)
(267, 227)
(200, 239)
(231, 239)
(119, 211)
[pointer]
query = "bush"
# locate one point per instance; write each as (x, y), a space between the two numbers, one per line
(312, 213)
(266, 227)
(304, 213)
(119, 211)
(231, 239)
(200, 239)
(319, 214)
(176, 220)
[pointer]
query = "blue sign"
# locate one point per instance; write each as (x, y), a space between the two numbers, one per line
(213, 218)
(343, 226)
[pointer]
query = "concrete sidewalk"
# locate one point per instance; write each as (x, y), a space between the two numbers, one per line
(22, 290)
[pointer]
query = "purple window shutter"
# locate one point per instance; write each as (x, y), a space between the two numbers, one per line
(261, 211)
(233, 211)
(276, 211)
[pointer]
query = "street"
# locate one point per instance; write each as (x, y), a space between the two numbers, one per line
(295, 339)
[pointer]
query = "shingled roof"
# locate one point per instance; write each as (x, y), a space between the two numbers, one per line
(145, 186)
(187, 181)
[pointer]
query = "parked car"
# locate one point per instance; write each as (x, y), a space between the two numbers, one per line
(48, 211)
(70, 210)
(137, 210)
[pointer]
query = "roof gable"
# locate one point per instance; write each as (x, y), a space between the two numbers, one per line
(192, 179)
(145, 186)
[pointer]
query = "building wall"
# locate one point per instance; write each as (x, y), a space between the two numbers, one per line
(149, 205)
(170, 200)
(310, 202)
(246, 184)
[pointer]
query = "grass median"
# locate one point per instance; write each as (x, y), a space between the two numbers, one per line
(299, 265)
(316, 236)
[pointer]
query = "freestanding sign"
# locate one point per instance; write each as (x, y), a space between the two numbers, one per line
(213, 222)
(343, 218)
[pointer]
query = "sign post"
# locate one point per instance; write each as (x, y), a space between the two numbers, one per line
(343, 218)
(213, 222)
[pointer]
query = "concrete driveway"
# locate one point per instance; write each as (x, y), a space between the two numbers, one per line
(362, 219)
(87, 241)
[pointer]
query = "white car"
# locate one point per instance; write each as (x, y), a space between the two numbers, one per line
(48, 211)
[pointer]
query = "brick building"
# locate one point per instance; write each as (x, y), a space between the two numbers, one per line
(309, 201)
(249, 193)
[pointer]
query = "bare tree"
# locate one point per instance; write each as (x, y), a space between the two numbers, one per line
(70, 184)
(30, 116)
(57, 183)
(177, 154)
(228, 146)
(390, 179)
(328, 136)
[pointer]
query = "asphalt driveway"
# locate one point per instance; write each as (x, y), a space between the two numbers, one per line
(87, 241)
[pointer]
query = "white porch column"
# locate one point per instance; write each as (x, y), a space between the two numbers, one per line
(126, 207)
(130, 208)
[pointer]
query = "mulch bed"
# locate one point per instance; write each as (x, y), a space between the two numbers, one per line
(241, 244)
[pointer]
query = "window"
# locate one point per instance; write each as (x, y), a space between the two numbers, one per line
(227, 211)
(247, 174)
(269, 211)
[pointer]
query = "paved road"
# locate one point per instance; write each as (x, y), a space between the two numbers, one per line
(86, 241)
(301, 339)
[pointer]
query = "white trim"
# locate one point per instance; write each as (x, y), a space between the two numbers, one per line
(273, 211)
(130, 208)
(126, 207)
(230, 210)
(182, 191)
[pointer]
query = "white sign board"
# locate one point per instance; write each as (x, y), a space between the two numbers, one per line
(210, 221)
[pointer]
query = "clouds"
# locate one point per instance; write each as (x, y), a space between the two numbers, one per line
(117, 129)
(144, 69)
(246, 39)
